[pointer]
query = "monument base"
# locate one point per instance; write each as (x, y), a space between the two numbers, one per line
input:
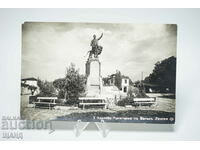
(94, 81)
(94, 86)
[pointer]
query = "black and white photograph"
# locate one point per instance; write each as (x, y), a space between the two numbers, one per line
(100, 74)
(115, 72)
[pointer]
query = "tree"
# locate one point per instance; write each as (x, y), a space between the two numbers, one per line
(118, 79)
(106, 81)
(164, 74)
(72, 86)
(59, 84)
(46, 88)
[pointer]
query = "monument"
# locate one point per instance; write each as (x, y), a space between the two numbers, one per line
(93, 69)
(93, 73)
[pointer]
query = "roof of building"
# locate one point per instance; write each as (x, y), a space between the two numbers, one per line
(29, 79)
(125, 77)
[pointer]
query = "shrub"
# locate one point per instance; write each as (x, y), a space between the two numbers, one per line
(124, 101)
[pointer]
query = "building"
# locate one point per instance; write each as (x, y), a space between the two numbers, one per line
(29, 86)
(125, 84)
(111, 81)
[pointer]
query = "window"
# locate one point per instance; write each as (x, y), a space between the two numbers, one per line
(125, 89)
(125, 81)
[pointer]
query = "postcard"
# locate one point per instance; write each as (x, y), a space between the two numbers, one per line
(115, 72)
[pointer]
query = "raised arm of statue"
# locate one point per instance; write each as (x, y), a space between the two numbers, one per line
(100, 37)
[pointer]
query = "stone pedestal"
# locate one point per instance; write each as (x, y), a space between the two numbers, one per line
(93, 74)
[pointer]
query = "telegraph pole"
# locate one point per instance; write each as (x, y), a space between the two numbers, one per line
(141, 76)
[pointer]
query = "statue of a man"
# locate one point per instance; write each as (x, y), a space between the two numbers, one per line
(96, 49)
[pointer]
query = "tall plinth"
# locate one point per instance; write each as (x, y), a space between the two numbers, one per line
(94, 80)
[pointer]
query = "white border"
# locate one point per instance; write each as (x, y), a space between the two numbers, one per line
(100, 4)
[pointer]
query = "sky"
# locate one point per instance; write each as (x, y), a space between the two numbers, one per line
(48, 48)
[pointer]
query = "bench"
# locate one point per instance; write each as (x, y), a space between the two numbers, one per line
(46, 102)
(92, 101)
(144, 101)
